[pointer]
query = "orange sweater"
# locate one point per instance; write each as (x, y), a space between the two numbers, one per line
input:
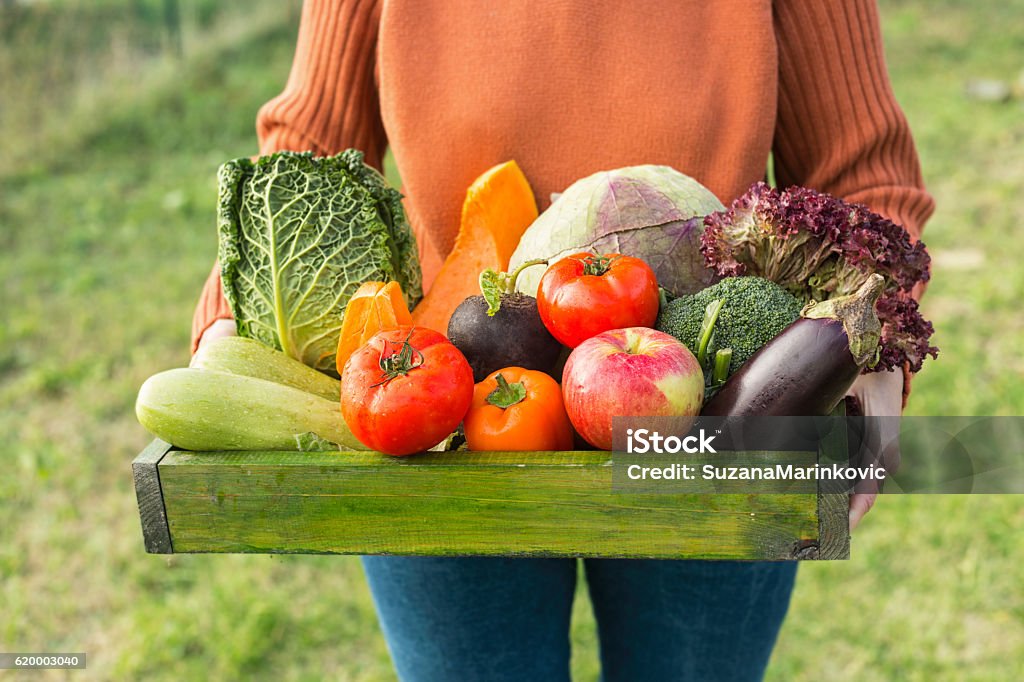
(570, 87)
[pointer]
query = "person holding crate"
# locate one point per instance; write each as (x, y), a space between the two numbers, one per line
(568, 88)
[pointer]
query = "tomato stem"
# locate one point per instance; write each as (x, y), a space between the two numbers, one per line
(401, 363)
(506, 395)
(597, 265)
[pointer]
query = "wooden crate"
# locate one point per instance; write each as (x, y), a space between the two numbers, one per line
(557, 504)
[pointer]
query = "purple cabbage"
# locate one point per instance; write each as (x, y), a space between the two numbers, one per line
(654, 213)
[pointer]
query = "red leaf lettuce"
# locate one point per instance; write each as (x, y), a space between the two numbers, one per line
(820, 247)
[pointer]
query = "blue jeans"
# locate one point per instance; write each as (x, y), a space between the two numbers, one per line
(470, 619)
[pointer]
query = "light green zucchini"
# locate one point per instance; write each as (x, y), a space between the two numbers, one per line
(200, 409)
(248, 357)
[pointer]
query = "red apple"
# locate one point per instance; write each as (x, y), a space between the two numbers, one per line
(632, 372)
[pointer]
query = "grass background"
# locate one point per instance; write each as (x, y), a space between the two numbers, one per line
(111, 138)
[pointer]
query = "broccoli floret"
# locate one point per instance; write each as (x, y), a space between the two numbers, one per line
(754, 310)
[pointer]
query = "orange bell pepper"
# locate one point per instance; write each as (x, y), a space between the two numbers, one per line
(518, 409)
(374, 307)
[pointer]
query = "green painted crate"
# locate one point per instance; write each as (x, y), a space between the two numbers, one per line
(558, 504)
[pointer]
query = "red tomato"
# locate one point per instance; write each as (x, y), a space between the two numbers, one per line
(585, 294)
(405, 390)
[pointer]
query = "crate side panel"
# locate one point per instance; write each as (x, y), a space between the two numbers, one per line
(149, 495)
(249, 504)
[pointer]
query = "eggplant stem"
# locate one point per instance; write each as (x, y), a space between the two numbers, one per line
(858, 316)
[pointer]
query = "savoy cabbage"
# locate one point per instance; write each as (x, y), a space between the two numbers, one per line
(297, 236)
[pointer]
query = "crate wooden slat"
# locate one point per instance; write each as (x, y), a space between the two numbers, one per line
(502, 504)
(155, 532)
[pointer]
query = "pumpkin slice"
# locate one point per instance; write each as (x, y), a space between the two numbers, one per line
(374, 307)
(498, 208)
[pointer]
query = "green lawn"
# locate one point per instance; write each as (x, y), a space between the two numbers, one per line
(105, 241)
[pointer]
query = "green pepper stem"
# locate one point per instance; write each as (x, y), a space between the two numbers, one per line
(506, 395)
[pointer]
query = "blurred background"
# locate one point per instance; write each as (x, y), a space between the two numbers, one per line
(114, 116)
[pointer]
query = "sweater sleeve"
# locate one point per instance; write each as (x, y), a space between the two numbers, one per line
(212, 306)
(838, 127)
(330, 103)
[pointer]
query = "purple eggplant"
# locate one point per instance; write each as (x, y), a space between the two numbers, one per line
(808, 368)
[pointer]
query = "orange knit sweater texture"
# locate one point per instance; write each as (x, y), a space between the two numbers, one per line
(571, 87)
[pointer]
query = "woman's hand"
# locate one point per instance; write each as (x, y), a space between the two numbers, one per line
(880, 395)
(218, 329)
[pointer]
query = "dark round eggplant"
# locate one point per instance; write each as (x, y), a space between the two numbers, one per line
(513, 337)
(808, 368)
